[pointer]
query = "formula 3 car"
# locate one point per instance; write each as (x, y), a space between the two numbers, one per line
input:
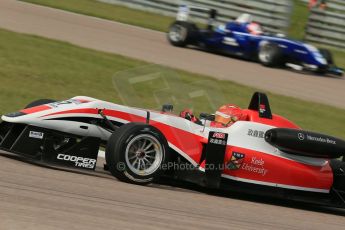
(264, 154)
(246, 39)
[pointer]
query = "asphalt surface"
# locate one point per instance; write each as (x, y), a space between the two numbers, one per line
(153, 47)
(37, 197)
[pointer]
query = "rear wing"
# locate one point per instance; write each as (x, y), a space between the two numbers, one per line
(184, 12)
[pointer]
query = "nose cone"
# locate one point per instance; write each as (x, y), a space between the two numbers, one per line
(14, 114)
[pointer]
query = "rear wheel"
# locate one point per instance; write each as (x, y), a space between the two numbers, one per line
(39, 102)
(270, 54)
(182, 33)
(136, 152)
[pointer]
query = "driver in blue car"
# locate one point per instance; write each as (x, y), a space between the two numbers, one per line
(246, 20)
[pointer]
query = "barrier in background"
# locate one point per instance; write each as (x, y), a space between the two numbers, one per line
(274, 15)
(327, 26)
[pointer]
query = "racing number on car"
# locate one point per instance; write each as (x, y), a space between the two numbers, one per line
(67, 102)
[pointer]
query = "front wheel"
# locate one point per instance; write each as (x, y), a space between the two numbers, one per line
(137, 153)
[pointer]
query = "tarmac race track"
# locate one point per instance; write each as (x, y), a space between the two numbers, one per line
(153, 47)
(36, 197)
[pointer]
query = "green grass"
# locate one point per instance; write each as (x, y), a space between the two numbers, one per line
(110, 12)
(161, 23)
(299, 19)
(33, 67)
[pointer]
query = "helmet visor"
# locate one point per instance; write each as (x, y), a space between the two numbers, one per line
(222, 118)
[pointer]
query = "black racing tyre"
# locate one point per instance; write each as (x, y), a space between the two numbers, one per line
(338, 169)
(182, 33)
(328, 56)
(39, 102)
(270, 54)
(137, 153)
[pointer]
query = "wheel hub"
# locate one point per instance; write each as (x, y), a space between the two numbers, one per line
(144, 154)
(141, 154)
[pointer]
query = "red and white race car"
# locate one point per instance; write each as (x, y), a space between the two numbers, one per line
(261, 153)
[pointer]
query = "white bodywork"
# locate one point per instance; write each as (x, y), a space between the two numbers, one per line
(237, 132)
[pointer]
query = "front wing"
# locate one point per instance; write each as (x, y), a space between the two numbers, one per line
(49, 145)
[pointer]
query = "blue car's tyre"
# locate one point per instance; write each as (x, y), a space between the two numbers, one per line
(270, 54)
(182, 33)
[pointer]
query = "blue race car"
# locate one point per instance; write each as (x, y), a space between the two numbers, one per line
(245, 38)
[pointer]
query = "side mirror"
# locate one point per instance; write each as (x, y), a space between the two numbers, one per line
(208, 117)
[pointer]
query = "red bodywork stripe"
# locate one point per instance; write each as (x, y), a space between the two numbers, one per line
(35, 109)
(107, 112)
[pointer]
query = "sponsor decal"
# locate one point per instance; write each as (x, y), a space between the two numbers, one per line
(256, 133)
(283, 46)
(235, 161)
(321, 139)
(67, 102)
(262, 108)
(301, 136)
(255, 166)
(217, 141)
(37, 135)
(230, 41)
(80, 162)
(301, 51)
(218, 138)
(219, 135)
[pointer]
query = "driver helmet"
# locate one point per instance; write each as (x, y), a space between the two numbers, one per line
(254, 28)
(228, 114)
(244, 18)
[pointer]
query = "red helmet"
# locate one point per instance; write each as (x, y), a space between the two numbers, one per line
(227, 114)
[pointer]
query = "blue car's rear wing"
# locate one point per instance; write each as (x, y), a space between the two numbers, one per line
(185, 11)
